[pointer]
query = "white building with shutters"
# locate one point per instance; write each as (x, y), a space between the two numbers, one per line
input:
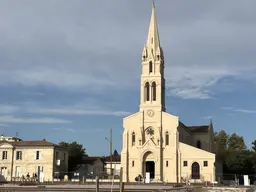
(19, 158)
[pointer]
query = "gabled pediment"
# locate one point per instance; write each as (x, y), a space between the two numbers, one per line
(6, 145)
(149, 142)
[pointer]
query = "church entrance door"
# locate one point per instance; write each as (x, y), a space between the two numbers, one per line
(195, 171)
(150, 168)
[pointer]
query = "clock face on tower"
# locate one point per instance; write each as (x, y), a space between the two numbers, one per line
(150, 113)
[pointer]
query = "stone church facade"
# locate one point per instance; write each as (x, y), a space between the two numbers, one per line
(155, 141)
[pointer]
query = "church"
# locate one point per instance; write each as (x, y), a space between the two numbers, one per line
(156, 144)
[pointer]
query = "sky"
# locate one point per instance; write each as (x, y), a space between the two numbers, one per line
(71, 71)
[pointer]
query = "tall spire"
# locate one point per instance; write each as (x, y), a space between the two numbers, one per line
(153, 36)
(152, 77)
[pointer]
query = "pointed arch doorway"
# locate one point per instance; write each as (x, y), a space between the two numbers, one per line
(149, 164)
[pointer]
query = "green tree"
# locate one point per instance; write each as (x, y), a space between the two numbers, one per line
(220, 144)
(220, 140)
(76, 152)
(239, 162)
(236, 143)
(254, 145)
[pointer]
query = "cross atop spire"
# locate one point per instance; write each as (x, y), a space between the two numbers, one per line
(153, 36)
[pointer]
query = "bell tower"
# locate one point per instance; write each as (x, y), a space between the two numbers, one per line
(152, 77)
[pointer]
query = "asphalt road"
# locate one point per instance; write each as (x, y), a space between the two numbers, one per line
(73, 189)
(79, 190)
(49, 189)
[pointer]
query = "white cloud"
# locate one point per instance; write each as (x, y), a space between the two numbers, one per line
(12, 119)
(194, 82)
(88, 107)
(33, 93)
(240, 110)
(203, 44)
(74, 111)
(206, 117)
(8, 109)
(245, 111)
(228, 108)
(85, 130)
(65, 129)
(4, 125)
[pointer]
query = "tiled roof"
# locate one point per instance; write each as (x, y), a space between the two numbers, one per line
(199, 129)
(195, 129)
(114, 158)
(90, 160)
(30, 143)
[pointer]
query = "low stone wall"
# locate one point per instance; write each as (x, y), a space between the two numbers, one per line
(226, 189)
(103, 180)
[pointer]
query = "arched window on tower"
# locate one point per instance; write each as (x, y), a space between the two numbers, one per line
(147, 91)
(133, 138)
(198, 144)
(154, 91)
(150, 67)
(166, 138)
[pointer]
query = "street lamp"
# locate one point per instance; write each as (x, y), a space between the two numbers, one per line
(110, 149)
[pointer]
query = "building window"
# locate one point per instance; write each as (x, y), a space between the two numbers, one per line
(150, 67)
(166, 138)
(166, 163)
(57, 156)
(147, 91)
(4, 155)
(185, 163)
(152, 40)
(64, 157)
(154, 91)
(19, 155)
(205, 163)
(17, 172)
(198, 144)
(37, 155)
(133, 139)
(133, 163)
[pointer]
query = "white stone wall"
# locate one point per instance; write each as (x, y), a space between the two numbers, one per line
(29, 163)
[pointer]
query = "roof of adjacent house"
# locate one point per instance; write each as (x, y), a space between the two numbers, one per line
(90, 160)
(195, 129)
(202, 128)
(36, 143)
(115, 158)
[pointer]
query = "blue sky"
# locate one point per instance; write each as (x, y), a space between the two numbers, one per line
(70, 72)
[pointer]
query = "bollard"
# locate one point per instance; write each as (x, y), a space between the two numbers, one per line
(121, 184)
(122, 187)
(97, 184)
